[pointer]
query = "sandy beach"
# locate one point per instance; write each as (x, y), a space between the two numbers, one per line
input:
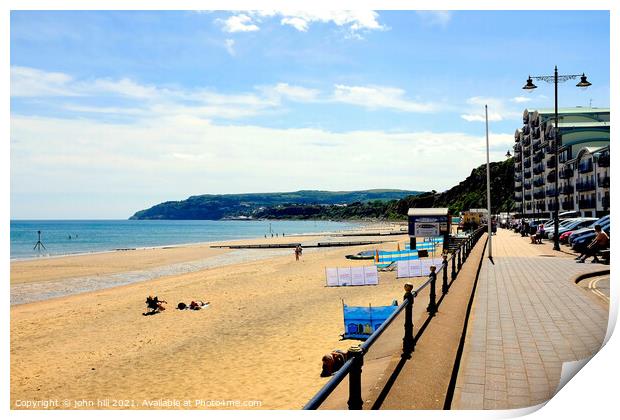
(261, 339)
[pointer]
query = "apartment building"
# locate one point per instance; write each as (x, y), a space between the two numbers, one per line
(582, 145)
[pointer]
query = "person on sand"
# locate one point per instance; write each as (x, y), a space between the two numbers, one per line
(197, 305)
(297, 253)
(154, 304)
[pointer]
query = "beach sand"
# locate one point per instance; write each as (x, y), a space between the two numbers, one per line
(262, 338)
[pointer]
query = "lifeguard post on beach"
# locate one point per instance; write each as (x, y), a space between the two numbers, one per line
(429, 222)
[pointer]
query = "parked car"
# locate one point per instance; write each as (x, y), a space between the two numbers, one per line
(580, 244)
(603, 221)
(565, 237)
(572, 225)
(549, 228)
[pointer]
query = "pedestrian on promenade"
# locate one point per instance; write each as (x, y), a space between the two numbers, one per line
(600, 242)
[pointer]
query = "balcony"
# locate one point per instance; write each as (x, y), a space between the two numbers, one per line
(540, 206)
(585, 167)
(567, 189)
(527, 153)
(566, 173)
(536, 131)
(518, 157)
(539, 169)
(527, 174)
(568, 205)
(550, 148)
(527, 186)
(528, 206)
(551, 162)
(551, 192)
(563, 157)
(518, 197)
(605, 202)
(582, 186)
(527, 163)
(527, 197)
(539, 181)
(587, 203)
(538, 195)
(603, 180)
(551, 176)
(526, 130)
(538, 157)
(603, 160)
(526, 140)
(536, 144)
(551, 206)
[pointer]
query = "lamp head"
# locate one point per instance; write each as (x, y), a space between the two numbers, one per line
(584, 82)
(529, 85)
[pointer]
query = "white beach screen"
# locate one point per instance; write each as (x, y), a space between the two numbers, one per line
(352, 276)
(332, 276)
(357, 276)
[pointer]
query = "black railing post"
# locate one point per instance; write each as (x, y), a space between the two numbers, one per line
(408, 340)
(444, 284)
(464, 251)
(355, 378)
(453, 266)
(459, 251)
(432, 304)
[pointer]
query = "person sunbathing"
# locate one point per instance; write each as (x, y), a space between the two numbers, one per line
(154, 305)
(196, 305)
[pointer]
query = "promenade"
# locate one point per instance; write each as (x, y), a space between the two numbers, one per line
(528, 318)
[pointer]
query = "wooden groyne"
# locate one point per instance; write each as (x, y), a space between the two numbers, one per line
(293, 245)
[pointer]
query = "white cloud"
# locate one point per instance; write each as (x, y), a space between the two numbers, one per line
(296, 22)
(436, 17)
(294, 93)
(379, 97)
(354, 21)
(181, 155)
(497, 110)
(230, 46)
(134, 99)
(238, 23)
(26, 81)
(521, 99)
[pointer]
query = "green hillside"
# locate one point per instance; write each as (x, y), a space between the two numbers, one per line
(215, 207)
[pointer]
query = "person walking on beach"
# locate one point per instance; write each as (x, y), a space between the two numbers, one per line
(600, 242)
(297, 252)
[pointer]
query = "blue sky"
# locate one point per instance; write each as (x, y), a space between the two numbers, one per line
(112, 112)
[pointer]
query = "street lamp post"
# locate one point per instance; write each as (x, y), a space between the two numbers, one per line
(555, 79)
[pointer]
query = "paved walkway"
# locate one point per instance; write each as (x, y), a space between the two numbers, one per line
(527, 319)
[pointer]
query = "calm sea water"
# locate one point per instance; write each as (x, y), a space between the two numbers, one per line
(63, 237)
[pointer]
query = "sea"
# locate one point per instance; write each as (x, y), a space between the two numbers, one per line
(68, 237)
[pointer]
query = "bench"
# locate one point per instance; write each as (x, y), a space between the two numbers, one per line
(604, 253)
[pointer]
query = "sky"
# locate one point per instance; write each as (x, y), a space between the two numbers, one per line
(115, 111)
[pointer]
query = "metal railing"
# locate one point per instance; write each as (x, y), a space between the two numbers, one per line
(352, 368)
